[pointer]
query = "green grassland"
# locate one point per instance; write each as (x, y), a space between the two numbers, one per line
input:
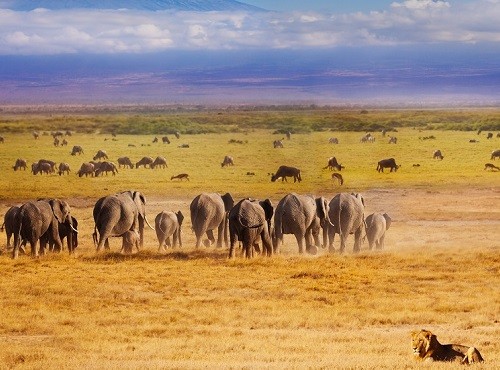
(308, 150)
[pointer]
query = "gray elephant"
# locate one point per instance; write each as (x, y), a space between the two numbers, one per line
(347, 217)
(209, 212)
(69, 231)
(303, 216)
(250, 220)
(9, 223)
(116, 214)
(130, 239)
(376, 226)
(168, 224)
(38, 222)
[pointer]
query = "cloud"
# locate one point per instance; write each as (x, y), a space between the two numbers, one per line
(123, 31)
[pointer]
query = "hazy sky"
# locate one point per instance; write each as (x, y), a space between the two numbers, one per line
(337, 6)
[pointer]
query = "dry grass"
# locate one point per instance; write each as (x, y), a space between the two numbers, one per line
(195, 309)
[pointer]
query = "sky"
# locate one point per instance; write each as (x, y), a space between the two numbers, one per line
(396, 23)
(305, 50)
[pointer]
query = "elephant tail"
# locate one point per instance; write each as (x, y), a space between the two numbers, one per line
(2, 227)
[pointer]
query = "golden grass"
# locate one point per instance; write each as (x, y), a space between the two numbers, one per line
(196, 309)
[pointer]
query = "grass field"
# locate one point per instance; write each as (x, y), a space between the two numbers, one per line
(196, 309)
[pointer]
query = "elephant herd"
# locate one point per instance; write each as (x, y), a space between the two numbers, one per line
(257, 226)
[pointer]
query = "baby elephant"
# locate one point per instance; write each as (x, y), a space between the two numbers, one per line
(131, 239)
(376, 225)
(168, 224)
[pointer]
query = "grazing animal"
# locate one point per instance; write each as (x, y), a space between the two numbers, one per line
(387, 163)
(177, 134)
(393, 140)
(183, 146)
(36, 135)
(86, 169)
(155, 140)
(473, 141)
(159, 162)
(228, 161)
(495, 154)
(101, 154)
(41, 168)
(125, 161)
(181, 176)
(490, 135)
(427, 348)
(437, 155)
(278, 144)
(56, 141)
(77, 149)
(20, 163)
(165, 140)
(64, 167)
(145, 161)
(368, 138)
(2, 140)
(337, 177)
(106, 167)
(491, 167)
(416, 165)
(286, 171)
(333, 140)
(333, 164)
(498, 135)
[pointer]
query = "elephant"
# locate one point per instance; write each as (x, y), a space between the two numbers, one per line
(130, 239)
(38, 222)
(346, 215)
(302, 216)
(250, 220)
(168, 224)
(69, 232)
(9, 222)
(376, 226)
(118, 213)
(209, 212)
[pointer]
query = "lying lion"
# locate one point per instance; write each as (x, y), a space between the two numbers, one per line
(426, 347)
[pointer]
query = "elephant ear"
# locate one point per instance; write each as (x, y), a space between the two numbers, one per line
(360, 197)
(228, 201)
(388, 221)
(60, 209)
(268, 208)
(140, 201)
(180, 217)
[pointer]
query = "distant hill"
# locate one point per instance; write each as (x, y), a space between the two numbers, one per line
(147, 5)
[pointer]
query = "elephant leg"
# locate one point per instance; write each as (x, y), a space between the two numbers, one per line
(380, 244)
(343, 238)
(357, 239)
(211, 240)
(167, 242)
(331, 238)
(220, 235)
(34, 248)
(300, 242)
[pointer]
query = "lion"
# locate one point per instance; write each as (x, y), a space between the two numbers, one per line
(426, 347)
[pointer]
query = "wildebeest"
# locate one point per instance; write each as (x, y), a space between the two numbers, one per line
(77, 149)
(393, 140)
(278, 143)
(101, 154)
(333, 140)
(106, 167)
(125, 161)
(338, 178)
(368, 138)
(86, 169)
(286, 171)
(437, 155)
(20, 163)
(165, 140)
(228, 161)
(145, 161)
(180, 176)
(491, 167)
(495, 154)
(159, 162)
(333, 164)
(387, 163)
(490, 135)
(64, 167)
(155, 140)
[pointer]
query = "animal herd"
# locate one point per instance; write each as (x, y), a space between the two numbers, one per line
(259, 226)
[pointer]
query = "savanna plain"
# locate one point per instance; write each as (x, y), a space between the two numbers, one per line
(195, 308)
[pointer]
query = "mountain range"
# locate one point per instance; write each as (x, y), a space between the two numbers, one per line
(146, 5)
